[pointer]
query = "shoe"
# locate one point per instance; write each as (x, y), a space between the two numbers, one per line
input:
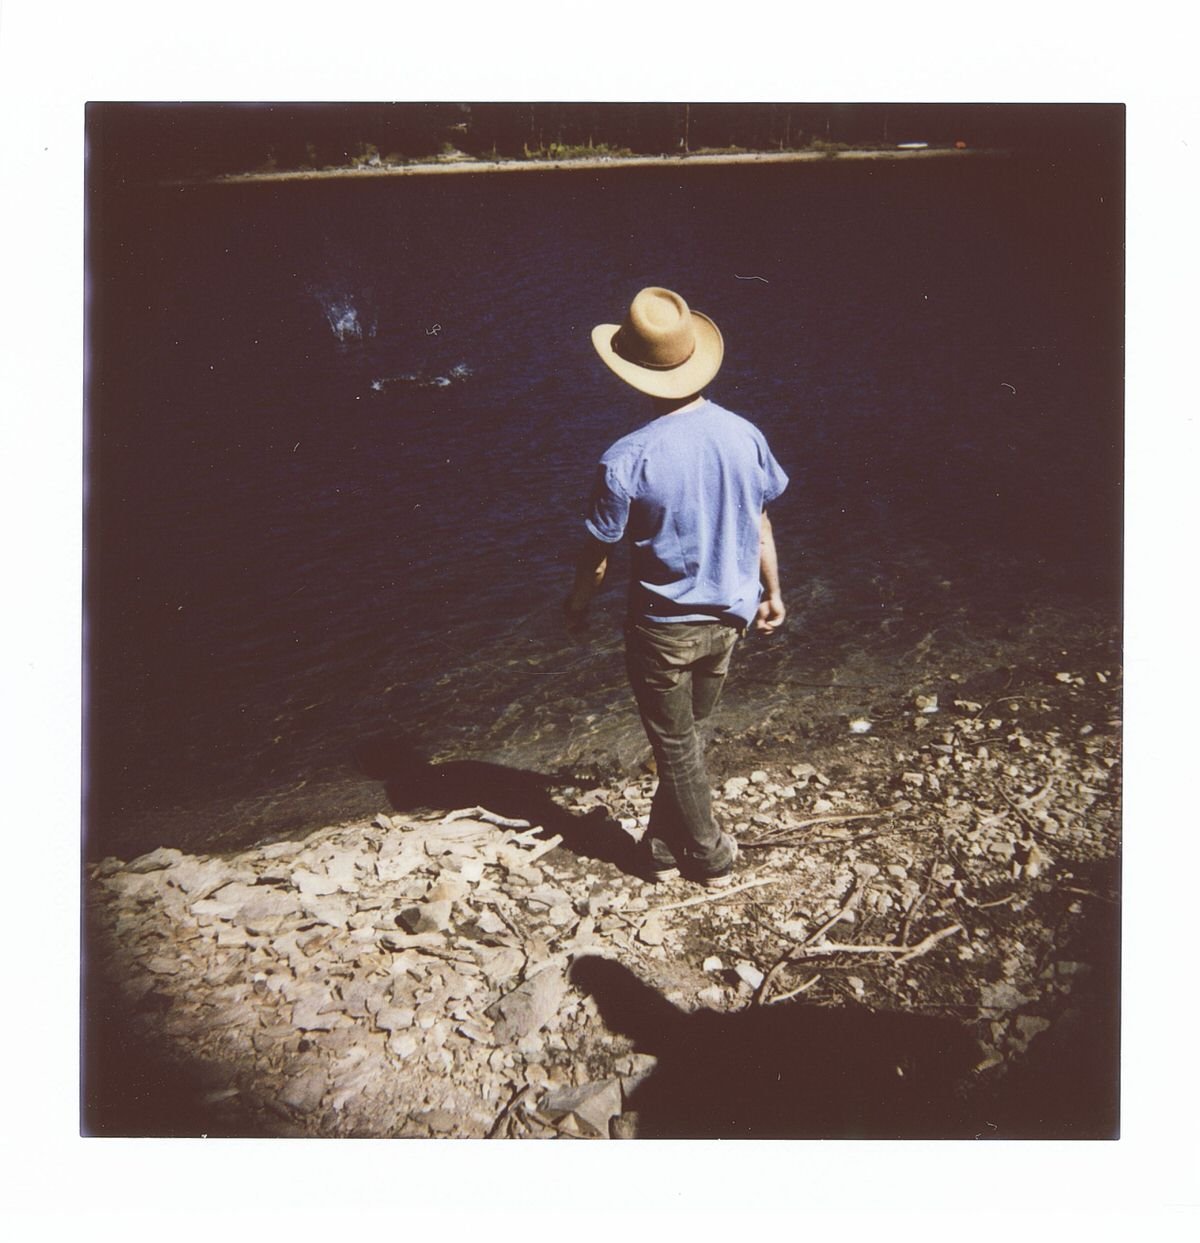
(660, 876)
(718, 880)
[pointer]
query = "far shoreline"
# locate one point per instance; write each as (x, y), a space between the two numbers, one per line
(442, 165)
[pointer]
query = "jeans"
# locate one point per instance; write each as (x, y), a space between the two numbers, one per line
(676, 670)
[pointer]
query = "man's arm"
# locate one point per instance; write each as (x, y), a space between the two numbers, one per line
(771, 611)
(590, 568)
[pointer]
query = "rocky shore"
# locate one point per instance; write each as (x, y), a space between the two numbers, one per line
(920, 940)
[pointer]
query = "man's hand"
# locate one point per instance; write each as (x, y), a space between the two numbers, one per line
(771, 611)
(770, 615)
(590, 568)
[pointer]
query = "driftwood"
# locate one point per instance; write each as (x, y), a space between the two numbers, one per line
(488, 817)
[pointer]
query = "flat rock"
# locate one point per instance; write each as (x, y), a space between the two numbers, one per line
(200, 877)
(502, 964)
(395, 1018)
(396, 867)
(304, 1092)
(530, 1006)
(653, 930)
(313, 884)
(246, 903)
(332, 909)
(156, 860)
(491, 923)
(592, 1104)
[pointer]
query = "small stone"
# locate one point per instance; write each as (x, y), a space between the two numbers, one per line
(491, 923)
(749, 974)
(713, 963)
(402, 1044)
(382, 822)
(428, 917)
(448, 889)
(713, 996)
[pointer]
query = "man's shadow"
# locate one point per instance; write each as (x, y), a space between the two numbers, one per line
(412, 783)
(802, 1071)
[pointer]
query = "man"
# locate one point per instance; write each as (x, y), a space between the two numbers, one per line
(689, 490)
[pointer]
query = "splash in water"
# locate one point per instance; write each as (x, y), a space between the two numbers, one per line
(346, 321)
(456, 374)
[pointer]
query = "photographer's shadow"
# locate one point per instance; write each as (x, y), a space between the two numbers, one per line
(791, 1071)
(412, 783)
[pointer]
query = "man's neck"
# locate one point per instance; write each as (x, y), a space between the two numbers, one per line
(677, 405)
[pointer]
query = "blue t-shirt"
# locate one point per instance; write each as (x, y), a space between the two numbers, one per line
(689, 489)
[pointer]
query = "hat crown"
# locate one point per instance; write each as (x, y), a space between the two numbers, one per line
(658, 331)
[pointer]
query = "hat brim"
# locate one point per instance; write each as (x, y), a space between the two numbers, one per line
(682, 381)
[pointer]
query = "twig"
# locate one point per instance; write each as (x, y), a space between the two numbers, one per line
(851, 902)
(793, 825)
(916, 906)
(714, 897)
(1025, 820)
(796, 991)
(771, 843)
(518, 1098)
(923, 947)
(760, 997)
(1000, 699)
(984, 906)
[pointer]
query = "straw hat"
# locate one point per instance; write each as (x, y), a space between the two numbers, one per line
(663, 348)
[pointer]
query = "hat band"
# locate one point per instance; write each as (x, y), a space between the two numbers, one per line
(638, 362)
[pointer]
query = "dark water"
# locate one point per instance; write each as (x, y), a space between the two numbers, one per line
(341, 434)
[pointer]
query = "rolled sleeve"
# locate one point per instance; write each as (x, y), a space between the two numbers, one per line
(609, 508)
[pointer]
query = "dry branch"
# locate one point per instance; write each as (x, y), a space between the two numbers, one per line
(714, 897)
(906, 952)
